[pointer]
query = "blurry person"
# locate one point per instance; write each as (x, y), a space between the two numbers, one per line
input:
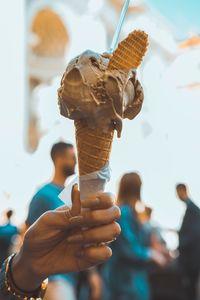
(189, 241)
(56, 243)
(46, 198)
(7, 233)
(145, 215)
(90, 285)
(126, 274)
(156, 240)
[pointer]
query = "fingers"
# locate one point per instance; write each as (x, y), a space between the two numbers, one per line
(96, 235)
(101, 212)
(98, 201)
(61, 219)
(93, 256)
(76, 202)
(101, 217)
(93, 202)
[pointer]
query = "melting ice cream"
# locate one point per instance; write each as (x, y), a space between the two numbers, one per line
(101, 97)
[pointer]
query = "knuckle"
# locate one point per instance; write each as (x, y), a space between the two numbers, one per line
(45, 216)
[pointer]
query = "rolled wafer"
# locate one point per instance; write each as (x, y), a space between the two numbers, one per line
(130, 52)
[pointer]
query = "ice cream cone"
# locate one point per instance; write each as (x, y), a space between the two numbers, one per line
(130, 52)
(93, 147)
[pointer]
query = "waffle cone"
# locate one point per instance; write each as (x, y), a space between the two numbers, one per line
(130, 52)
(93, 148)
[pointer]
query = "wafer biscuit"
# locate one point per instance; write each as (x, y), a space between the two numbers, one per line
(130, 52)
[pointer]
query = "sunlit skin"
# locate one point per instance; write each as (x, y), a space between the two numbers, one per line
(56, 242)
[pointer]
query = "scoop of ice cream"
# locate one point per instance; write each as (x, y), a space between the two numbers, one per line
(101, 97)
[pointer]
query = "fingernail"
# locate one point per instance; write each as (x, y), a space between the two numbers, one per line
(75, 187)
(76, 221)
(107, 243)
(75, 238)
(113, 240)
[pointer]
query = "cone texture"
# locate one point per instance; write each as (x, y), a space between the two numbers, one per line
(130, 52)
(93, 147)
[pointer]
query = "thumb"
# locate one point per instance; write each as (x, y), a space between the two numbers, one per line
(76, 202)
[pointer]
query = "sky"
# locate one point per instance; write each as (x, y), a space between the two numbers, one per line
(183, 14)
(161, 144)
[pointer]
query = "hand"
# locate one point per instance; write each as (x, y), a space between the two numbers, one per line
(158, 245)
(56, 242)
(158, 258)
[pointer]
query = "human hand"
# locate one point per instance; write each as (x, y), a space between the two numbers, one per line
(56, 243)
(158, 258)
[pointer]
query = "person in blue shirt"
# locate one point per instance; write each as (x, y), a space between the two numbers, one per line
(126, 274)
(46, 199)
(7, 233)
(189, 241)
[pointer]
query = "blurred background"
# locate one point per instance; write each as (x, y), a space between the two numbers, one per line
(38, 38)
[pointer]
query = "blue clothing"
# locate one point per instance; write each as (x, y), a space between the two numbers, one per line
(125, 274)
(7, 233)
(44, 200)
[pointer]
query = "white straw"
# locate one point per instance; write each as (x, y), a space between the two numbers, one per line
(119, 26)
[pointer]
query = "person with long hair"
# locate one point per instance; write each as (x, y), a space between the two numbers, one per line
(126, 274)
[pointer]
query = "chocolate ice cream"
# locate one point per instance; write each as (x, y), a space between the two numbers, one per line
(100, 97)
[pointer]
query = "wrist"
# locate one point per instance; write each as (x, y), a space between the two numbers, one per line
(9, 289)
(24, 274)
